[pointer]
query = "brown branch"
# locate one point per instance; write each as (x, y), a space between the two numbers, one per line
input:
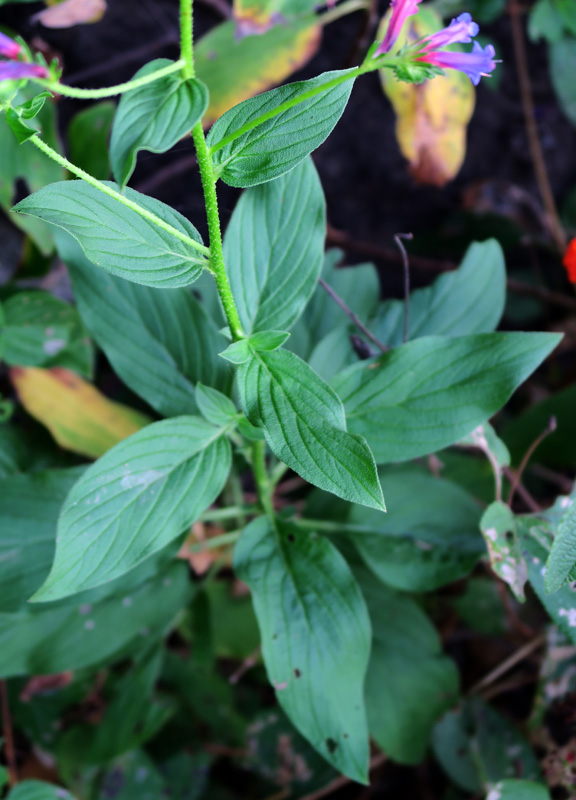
(517, 475)
(406, 266)
(509, 663)
(340, 239)
(8, 734)
(554, 224)
(349, 313)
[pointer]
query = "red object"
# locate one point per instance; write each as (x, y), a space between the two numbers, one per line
(569, 261)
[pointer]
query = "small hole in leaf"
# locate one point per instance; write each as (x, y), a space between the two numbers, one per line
(332, 745)
(297, 673)
(291, 537)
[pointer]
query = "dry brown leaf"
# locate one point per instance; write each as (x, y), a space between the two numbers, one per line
(72, 12)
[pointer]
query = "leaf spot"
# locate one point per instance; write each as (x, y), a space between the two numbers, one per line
(332, 746)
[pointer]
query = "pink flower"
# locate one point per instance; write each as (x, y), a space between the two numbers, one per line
(475, 64)
(8, 47)
(16, 70)
(401, 10)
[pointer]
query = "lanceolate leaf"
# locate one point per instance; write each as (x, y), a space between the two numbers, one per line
(117, 238)
(159, 343)
(427, 394)
(51, 638)
(154, 117)
(39, 330)
(404, 695)
(563, 555)
(38, 790)
(469, 300)
(315, 636)
(518, 790)
(305, 426)
(266, 136)
(274, 248)
(29, 508)
(419, 546)
(133, 501)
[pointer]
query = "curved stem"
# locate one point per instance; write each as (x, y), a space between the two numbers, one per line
(102, 187)
(110, 91)
(216, 249)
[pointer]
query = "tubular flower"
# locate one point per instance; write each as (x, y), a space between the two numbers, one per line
(475, 64)
(460, 31)
(16, 70)
(569, 261)
(401, 10)
(8, 47)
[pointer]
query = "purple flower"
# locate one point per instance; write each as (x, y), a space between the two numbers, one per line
(401, 10)
(475, 64)
(460, 31)
(8, 47)
(16, 70)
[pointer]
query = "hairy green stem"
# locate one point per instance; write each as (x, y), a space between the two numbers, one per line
(109, 91)
(85, 176)
(230, 512)
(263, 484)
(216, 250)
(186, 38)
(215, 541)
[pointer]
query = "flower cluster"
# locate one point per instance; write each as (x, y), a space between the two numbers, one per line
(430, 50)
(14, 70)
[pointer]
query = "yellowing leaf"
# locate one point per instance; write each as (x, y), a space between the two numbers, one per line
(77, 415)
(67, 13)
(235, 70)
(258, 16)
(432, 117)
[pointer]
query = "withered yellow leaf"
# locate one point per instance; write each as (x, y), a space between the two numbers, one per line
(78, 416)
(67, 13)
(432, 117)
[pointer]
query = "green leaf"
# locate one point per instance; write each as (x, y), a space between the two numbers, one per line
(19, 128)
(498, 527)
(27, 163)
(315, 636)
(38, 790)
(518, 790)
(427, 394)
(558, 448)
(134, 500)
(562, 67)
(405, 695)
(39, 330)
(536, 539)
(305, 426)
(52, 638)
(159, 343)
(134, 776)
(29, 508)
(567, 11)
(132, 716)
(215, 406)
(469, 300)
(419, 546)
(274, 248)
(478, 747)
(562, 559)
(117, 238)
(154, 117)
(545, 22)
(88, 135)
(265, 137)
